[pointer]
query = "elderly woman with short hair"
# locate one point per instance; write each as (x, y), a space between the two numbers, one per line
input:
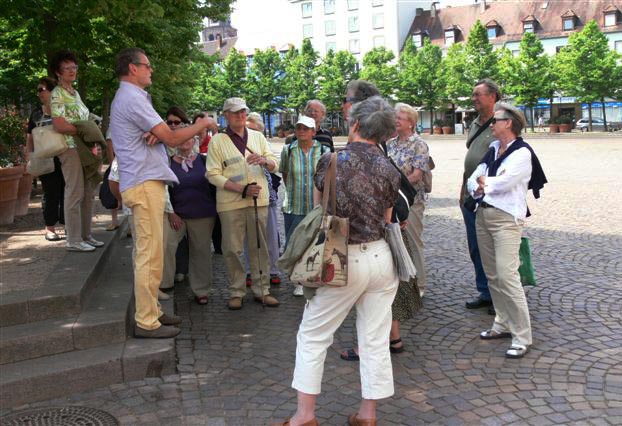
(367, 187)
(500, 184)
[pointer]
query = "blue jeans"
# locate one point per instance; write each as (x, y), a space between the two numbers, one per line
(481, 282)
(291, 221)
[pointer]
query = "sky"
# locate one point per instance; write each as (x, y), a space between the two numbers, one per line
(265, 23)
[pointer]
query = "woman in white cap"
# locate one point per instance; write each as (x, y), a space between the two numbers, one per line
(298, 163)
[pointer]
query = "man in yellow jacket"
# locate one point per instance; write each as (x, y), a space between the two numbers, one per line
(236, 164)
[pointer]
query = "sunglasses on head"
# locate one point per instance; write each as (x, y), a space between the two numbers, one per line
(173, 122)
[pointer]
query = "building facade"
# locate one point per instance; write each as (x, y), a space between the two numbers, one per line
(355, 26)
(551, 21)
(218, 37)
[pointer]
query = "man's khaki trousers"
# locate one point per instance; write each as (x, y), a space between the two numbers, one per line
(238, 225)
(147, 203)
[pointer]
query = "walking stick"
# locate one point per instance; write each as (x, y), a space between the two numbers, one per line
(263, 297)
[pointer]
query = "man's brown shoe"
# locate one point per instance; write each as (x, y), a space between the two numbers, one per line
(269, 300)
(235, 303)
(162, 332)
(169, 319)
(354, 420)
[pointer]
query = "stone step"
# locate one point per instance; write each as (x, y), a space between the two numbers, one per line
(64, 291)
(79, 371)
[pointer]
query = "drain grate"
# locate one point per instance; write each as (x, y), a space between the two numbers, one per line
(60, 416)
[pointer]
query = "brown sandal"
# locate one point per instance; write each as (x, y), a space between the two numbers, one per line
(354, 420)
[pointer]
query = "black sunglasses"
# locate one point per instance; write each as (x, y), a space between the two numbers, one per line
(173, 122)
(494, 120)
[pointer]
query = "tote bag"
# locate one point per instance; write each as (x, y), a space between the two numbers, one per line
(526, 270)
(325, 261)
(48, 142)
(39, 166)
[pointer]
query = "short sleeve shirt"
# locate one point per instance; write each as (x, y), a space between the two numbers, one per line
(38, 118)
(409, 155)
(477, 148)
(367, 185)
(68, 106)
(131, 115)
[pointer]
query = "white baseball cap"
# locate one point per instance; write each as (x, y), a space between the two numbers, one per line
(306, 121)
(234, 105)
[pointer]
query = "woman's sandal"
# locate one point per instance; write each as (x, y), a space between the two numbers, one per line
(491, 335)
(396, 350)
(350, 355)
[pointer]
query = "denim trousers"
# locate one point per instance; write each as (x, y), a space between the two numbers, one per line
(481, 282)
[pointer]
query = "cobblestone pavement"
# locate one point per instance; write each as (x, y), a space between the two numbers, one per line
(236, 367)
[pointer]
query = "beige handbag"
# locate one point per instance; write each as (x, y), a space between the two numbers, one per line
(39, 166)
(48, 142)
(325, 261)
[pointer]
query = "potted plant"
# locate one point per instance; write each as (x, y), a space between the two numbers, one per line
(11, 161)
(553, 125)
(565, 123)
(447, 126)
(438, 129)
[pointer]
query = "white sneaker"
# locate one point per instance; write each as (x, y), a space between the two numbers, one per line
(298, 290)
(93, 242)
(162, 295)
(179, 278)
(81, 246)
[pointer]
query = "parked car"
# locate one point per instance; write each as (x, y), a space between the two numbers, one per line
(598, 125)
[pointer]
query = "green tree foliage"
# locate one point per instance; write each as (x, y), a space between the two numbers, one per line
(585, 66)
(204, 96)
(407, 65)
(426, 76)
(301, 76)
(528, 76)
(265, 88)
(96, 30)
(336, 70)
(378, 70)
(230, 78)
(480, 59)
(456, 90)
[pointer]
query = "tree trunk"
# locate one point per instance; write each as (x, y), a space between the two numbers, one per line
(269, 121)
(602, 101)
(431, 120)
(589, 115)
(453, 117)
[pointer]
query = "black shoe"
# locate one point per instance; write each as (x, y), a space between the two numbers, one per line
(491, 310)
(478, 303)
(162, 332)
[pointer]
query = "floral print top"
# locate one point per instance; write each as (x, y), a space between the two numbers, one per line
(367, 185)
(409, 155)
(68, 106)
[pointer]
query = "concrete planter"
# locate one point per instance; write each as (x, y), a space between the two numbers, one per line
(23, 194)
(565, 128)
(438, 131)
(9, 185)
(553, 128)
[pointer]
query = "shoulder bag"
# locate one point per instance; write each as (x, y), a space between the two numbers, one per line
(325, 261)
(39, 166)
(48, 142)
(407, 193)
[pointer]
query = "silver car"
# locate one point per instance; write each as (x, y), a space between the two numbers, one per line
(598, 125)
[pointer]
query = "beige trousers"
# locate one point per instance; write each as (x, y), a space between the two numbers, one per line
(238, 226)
(498, 238)
(371, 288)
(78, 197)
(147, 203)
(414, 230)
(199, 233)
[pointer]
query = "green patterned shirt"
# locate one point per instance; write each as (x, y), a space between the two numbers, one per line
(68, 106)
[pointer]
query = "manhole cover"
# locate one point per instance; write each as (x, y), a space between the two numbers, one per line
(60, 416)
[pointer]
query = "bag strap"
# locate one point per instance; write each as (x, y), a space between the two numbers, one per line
(479, 131)
(330, 186)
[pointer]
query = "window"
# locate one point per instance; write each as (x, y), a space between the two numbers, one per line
(375, 3)
(354, 46)
(307, 31)
(618, 46)
(528, 27)
(450, 36)
(418, 40)
(307, 9)
(211, 37)
(329, 7)
(379, 41)
(610, 19)
(515, 53)
(492, 32)
(331, 45)
(353, 4)
(353, 24)
(378, 20)
(330, 28)
(568, 24)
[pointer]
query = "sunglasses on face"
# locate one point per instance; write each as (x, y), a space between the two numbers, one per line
(173, 122)
(494, 120)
